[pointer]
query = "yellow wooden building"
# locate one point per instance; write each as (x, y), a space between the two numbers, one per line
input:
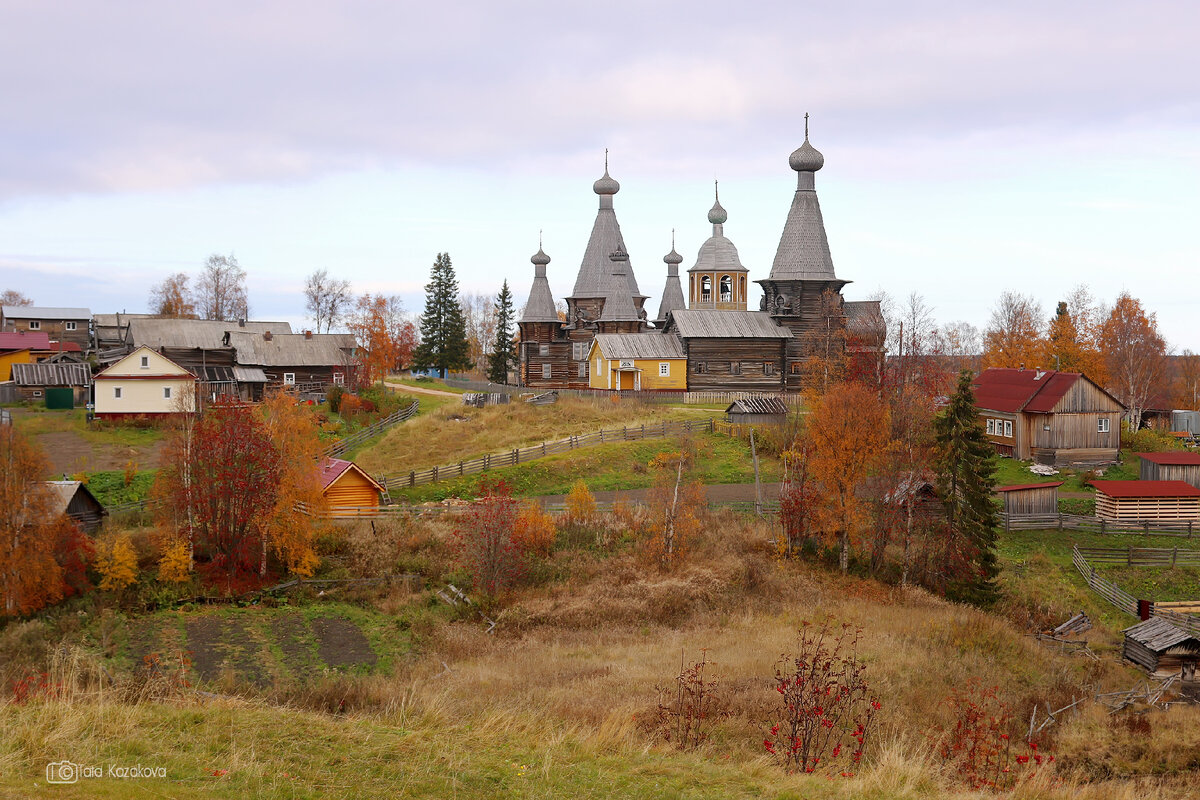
(348, 490)
(637, 362)
(13, 357)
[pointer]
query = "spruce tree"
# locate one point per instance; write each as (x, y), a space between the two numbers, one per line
(503, 355)
(966, 481)
(443, 329)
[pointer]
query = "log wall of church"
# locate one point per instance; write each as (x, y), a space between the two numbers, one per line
(734, 365)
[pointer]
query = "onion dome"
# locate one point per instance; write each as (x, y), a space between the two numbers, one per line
(672, 257)
(606, 185)
(717, 214)
(540, 258)
(806, 158)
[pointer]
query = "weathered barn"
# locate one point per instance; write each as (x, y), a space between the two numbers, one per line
(757, 411)
(1030, 498)
(1059, 418)
(1161, 648)
(77, 502)
(33, 381)
(348, 489)
(1147, 501)
(1182, 465)
(308, 361)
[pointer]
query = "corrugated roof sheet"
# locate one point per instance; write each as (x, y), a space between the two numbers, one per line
(1013, 390)
(1159, 635)
(758, 405)
(47, 374)
(1176, 459)
(205, 334)
(704, 323)
(249, 375)
(1019, 486)
(46, 312)
(18, 340)
(1146, 488)
(293, 350)
(616, 346)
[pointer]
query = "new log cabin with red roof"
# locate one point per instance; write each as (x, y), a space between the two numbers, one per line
(1059, 418)
(348, 489)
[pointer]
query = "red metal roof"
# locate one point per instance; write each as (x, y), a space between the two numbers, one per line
(1146, 488)
(65, 347)
(334, 468)
(1174, 458)
(1017, 487)
(1013, 390)
(19, 340)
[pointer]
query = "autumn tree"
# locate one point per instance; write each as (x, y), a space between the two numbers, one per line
(849, 433)
(173, 298)
(798, 497)
(1070, 348)
(220, 483)
(11, 297)
(443, 329)
(479, 320)
(30, 577)
(966, 481)
(289, 533)
(676, 502)
(485, 544)
(384, 333)
(504, 353)
(1134, 355)
(326, 299)
(221, 289)
(825, 344)
(1014, 333)
(116, 562)
(1186, 385)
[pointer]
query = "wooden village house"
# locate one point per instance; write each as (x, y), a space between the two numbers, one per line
(1147, 501)
(1176, 465)
(348, 490)
(307, 362)
(726, 347)
(1059, 418)
(144, 383)
(76, 501)
(60, 324)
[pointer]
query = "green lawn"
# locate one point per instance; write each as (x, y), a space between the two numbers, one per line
(617, 466)
(35, 421)
(110, 488)
(1009, 471)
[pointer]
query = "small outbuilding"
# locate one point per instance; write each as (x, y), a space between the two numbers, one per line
(1162, 648)
(77, 502)
(39, 382)
(348, 489)
(1177, 465)
(1141, 501)
(1030, 498)
(757, 411)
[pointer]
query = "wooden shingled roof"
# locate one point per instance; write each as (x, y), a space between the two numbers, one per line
(758, 405)
(1160, 635)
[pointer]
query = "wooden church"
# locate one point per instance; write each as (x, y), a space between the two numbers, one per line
(725, 346)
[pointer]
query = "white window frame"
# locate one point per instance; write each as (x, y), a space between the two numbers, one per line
(70, 326)
(991, 426)
(547, 372)
(166, 393)
(35, 324)
(145, 362)
(289, 379)
(1102, 425)
(339, 379)
(1008, 429)
(37, 392)
(116, 393)
(664, 369)
(543, 349)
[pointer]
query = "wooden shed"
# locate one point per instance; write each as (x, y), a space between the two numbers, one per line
(73, 499)
(1155, 501)
(35, 380)
(347, 489)
(1030, 498)
(1181, 465)
(757, 411)
(1162, 648)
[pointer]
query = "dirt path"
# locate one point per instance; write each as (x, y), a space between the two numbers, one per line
(404, 387)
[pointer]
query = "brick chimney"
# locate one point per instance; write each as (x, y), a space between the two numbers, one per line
(266, 336)
(308, 334)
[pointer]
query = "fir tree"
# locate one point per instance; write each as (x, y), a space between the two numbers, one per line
(503, 355)
(966, 481)
(443, 329)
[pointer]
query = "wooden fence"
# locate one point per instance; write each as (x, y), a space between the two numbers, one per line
(1141, 556)
(560, 507)
(522, 454)
(1126, 602)
(667, 397)
(1025, 522)
(371, 431)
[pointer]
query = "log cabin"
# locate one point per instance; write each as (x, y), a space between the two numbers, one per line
(1161, 648)
(347, 489)
(76, 501)
(1057, 418)
(60, 324)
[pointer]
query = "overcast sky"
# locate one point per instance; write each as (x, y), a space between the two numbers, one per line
(970, 148)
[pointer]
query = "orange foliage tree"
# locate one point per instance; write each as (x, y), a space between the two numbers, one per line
(293, 432)
(849, 430)
(30, 577)
(676, 502)
(116, 562)
(386, 336)
(1014, 333)
(1135, 355)
(1073, 337)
